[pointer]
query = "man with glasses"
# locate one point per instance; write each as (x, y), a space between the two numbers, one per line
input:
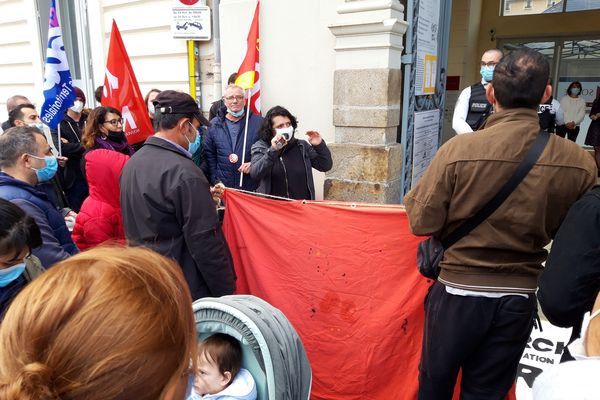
(472, 107)
(224, 143)
(25, 161)
(166, 200)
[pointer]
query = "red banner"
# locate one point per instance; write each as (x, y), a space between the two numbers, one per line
(249, 72)
(346, 278)
(122, 92)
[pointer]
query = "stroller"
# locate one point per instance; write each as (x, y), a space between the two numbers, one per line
(271, 349)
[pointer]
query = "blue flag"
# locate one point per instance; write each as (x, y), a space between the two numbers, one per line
(58, 86)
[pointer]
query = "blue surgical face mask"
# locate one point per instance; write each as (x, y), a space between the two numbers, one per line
(48, 172)
(575, 91)
(8, 275)
(487, 73)
(195, 145)
(236, 114)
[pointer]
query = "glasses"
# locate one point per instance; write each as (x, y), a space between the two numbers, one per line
(489, 64)
(114, 122)
(231, 98)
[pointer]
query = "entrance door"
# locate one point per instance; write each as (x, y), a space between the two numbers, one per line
(570, 60)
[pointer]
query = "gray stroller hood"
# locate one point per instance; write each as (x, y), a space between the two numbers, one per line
(272, 350)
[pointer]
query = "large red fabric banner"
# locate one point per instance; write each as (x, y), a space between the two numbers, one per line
(122, 92)
(345, 276)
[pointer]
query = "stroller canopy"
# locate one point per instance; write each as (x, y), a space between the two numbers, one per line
(273, 352)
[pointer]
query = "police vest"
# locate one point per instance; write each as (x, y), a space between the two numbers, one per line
(479, 108)
(547, 116)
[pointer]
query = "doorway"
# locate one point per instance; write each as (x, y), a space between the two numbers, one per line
(571, 59)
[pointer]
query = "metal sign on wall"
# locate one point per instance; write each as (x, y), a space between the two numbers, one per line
(191, 20)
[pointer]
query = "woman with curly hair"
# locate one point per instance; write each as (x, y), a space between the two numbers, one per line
(104, 130)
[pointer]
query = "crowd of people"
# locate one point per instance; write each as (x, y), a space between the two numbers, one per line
(65, 192)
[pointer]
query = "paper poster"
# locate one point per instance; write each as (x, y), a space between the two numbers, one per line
(425, 141)
(427, 47)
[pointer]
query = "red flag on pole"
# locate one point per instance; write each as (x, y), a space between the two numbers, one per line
(122, 92)
(249, 72)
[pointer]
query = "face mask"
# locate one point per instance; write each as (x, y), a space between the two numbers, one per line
(8, 275)
(77, 107)
(38, 125)
(116, 136)
(577, 348)
(287, 133)
(487, 73)
(575, 91)
(236, 114)
(151, 108)
(46, 173)
(195, 145)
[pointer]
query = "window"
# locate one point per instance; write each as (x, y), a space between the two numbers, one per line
(531, 7)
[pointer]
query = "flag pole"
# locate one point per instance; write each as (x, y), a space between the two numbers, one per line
(59, 142)
(245, 138)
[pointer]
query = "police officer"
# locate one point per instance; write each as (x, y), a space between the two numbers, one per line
(551, 114)
(472, 107)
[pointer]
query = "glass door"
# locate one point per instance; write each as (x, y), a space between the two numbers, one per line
(570, 60)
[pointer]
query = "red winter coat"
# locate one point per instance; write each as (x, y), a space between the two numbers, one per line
(99, 219)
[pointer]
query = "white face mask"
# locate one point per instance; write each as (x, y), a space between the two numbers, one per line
(287, 133)
(77, 107)
(577, 348)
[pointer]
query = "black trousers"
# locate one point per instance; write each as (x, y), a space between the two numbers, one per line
(562, 131)
(484, 337)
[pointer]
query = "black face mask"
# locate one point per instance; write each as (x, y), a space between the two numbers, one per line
(116, 136)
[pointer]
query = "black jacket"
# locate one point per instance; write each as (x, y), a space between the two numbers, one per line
(167, 206)
(570, 282)
(263, 158)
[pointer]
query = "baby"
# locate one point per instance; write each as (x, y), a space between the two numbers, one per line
(220, 376)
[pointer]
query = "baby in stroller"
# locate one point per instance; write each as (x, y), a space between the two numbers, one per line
(220, 376)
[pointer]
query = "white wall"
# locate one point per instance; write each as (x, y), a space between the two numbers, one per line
(20, 53)
(297, 59)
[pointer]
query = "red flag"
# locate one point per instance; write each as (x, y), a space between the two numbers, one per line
(122, 92)
(345, 276)
(249, 72)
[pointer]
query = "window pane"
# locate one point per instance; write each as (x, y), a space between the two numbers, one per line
(531, 7)
(582, 5)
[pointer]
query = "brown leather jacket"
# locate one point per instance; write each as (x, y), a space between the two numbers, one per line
(506, 252)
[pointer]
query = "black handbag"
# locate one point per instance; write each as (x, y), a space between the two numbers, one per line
(431, 251)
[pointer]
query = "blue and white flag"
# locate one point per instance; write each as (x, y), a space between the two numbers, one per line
(58, 86)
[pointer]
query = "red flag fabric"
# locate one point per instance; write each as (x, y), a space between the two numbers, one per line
(122, 92)
(346, 278)
(345, 275)
(249, 72)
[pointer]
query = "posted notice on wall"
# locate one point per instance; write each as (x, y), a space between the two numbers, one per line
(427, 47)
(425, 141)
(192, 22)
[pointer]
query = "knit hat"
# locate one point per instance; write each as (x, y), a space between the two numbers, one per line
(79, 93)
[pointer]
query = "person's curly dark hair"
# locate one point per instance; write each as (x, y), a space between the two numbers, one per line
(266, 130)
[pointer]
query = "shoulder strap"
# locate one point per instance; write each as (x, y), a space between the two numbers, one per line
(522, 170)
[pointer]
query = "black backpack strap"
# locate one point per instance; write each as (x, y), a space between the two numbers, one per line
(536, 149)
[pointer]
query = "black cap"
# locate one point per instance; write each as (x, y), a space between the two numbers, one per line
(174, 102)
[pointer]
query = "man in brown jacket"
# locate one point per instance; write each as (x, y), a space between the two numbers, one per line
(480, 312)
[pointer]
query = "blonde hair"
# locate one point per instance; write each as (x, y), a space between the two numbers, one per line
(110, 323)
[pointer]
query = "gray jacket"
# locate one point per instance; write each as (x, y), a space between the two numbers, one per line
(263, 157)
